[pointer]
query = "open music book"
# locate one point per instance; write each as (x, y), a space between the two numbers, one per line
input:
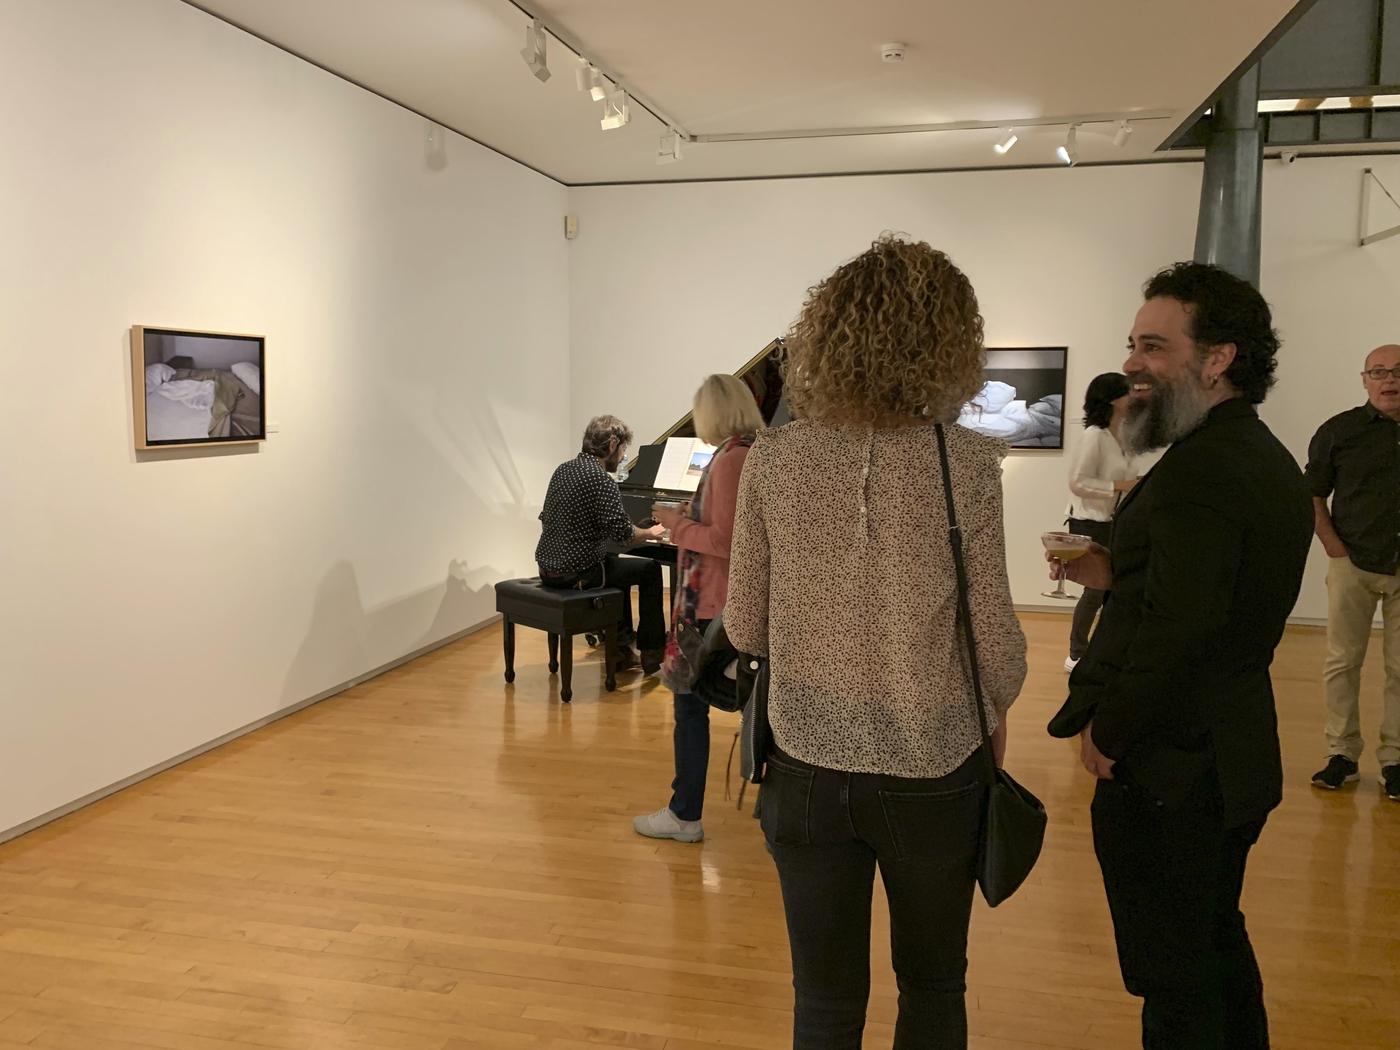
(682, 462)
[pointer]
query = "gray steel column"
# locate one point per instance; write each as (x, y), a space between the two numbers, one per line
(1227, 231)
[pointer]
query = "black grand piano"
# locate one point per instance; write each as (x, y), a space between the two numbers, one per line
(763, 375)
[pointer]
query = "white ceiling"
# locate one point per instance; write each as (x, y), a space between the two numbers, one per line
(726, 67)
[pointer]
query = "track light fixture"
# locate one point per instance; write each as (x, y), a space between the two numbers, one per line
(587, 78)
(600, 85)
(616, 110)
(534, 51)
(1120, 137)
(1004, 146)
(1069, 152)
(668, 150)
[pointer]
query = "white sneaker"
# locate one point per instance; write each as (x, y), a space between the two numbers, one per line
(663, 824)
(1071, 663)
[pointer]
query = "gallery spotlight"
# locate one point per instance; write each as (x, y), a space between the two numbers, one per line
(534, 51)
(668, 150)
(587, 78)
(1120, 137)
(616, 110)
(1004, 146)
(1069, 152)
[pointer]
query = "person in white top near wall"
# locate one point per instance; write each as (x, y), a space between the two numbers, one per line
(1099, 476)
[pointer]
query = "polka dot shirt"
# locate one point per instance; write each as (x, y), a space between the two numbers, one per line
(582, 512)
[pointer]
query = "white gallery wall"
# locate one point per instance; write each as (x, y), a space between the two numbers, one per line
(669, 283)
(162, 168)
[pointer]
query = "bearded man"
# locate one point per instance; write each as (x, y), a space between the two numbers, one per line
(1173, 702)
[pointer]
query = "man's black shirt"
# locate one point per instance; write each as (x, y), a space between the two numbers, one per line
(582, 511)
(1355, 458)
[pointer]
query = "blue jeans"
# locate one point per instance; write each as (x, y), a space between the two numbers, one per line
(692, 743)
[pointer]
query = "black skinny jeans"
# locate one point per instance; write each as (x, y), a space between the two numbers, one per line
(827, 832)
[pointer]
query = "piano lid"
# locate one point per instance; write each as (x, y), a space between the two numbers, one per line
(763, 373)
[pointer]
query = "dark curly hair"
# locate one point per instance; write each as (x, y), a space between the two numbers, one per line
(1225, 309)
(601, 432)
(892, 338)
(1098, 399)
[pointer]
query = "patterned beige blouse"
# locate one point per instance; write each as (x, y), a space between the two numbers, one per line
(841, 573)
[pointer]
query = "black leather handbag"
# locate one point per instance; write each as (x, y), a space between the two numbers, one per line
(1013, 826)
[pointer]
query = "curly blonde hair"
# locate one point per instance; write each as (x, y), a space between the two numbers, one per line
(892, 338)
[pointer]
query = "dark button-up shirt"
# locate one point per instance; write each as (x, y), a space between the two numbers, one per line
(582, 511)
(1355, 459)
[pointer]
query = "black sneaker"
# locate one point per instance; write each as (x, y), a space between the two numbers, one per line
(1390, 780)
(1339, 770)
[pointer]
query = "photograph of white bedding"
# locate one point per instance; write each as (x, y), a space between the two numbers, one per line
(181, 409)
(199, 387)
(997, 412)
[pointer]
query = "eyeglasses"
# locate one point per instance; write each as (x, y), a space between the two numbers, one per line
(1382, 373)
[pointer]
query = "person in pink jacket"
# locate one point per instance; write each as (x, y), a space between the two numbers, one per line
(726, 416)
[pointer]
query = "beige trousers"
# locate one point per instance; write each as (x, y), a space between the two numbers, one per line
(1352, 595)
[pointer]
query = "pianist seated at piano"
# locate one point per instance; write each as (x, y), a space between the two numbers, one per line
(725, 416)
(582, 514)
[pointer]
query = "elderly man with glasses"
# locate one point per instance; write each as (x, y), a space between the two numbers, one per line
(1355, 460)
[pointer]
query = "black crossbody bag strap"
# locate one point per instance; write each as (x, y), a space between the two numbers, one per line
(1013, 826)
(964, 606)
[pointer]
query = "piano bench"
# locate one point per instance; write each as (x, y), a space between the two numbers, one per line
(561, 613)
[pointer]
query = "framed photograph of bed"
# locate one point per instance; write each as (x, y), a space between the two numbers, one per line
(197, 388)
(1022, 401)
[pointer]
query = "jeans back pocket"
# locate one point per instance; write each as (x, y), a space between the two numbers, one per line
(785, 804)
(941, 829)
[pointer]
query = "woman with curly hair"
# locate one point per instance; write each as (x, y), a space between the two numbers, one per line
(841, 573)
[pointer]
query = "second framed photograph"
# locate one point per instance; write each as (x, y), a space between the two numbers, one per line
(1022, 401)
(197, 388)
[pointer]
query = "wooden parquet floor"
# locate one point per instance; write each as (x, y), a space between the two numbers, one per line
(437, 861)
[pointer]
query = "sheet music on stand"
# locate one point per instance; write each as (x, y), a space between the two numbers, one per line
(682, 462)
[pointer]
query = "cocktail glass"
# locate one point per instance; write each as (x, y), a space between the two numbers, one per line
(1064, 547)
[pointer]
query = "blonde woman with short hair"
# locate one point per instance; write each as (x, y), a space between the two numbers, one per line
(842, 575)
(726, 416)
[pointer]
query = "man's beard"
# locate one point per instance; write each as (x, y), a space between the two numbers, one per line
(1174, 409)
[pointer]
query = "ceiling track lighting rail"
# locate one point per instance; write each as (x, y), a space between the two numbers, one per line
(1020, 123)
(617, 97)
(625, 93)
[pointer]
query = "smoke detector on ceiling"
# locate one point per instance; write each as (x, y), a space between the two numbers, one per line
(892, 52)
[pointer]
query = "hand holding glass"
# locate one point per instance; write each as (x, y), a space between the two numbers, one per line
(1062, 548)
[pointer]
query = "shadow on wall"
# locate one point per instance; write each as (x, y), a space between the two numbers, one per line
(466, 435)
(345, 640)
